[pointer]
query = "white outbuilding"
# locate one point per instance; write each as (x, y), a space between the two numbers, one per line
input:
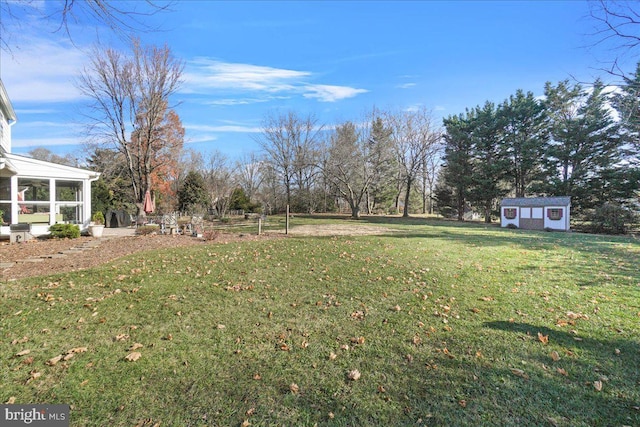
(536, 213)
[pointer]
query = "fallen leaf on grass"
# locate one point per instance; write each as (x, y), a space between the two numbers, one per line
(132, 357)
(11, 400)
(135, 346)
(462, 403)
(294, 388)
(354, 375)
(245, 423)
(122, 337)
(20, 341)
(332, 356)
(555, 356)
(597, 385)
(544, 339)
(519, 373)
(22, 353)
(562, 372)
(77, 350)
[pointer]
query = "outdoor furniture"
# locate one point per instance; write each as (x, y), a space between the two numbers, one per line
(169, 223)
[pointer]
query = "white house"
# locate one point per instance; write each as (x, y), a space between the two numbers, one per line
(536, 213)
(37, 192)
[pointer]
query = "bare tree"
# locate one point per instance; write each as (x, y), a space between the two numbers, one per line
(290, 145)
(120, 17)
(416, 138)
(249, 168)
(617, 27)
(129, 109)
(220, 181)
(352, 163)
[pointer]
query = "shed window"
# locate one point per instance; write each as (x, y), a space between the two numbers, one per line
(554, 213)
(510, 213)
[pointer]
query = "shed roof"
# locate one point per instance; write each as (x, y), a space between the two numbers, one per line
(537, 201)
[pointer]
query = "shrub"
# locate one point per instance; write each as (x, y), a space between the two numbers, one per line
(209, 235)
(512, 226)
(612, 218)
(98, 218)
(65, 231)
(146, 230)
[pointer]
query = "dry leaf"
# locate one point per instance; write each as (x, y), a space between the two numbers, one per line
(77, 350)
(462, 403)
(597, 385)
(396, 308)
(354, 375)
(250, 411)
(294, 388)
(68, 356)
(122, 337)
(332, 356)
(616, 352)
(555, 356)
(22, 353)
(544, 339)
(245, 423)
(562, 372)
(11, 400)
(520, 373)
(257, 377)
(132, 357)
(135, 346)
(381, 389)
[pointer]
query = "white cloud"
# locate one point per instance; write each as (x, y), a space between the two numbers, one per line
(329, 93)
(44, 142)
(223, 128)
(43, 70)
(406, 85)
(209, 76)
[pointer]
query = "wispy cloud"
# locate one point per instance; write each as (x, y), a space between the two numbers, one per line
(330, 93)
(213, 77)
(30, 72)
(44, 142)
(406, 85)
(223, 128)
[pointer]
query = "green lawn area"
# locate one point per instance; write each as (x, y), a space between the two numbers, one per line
(434, 324)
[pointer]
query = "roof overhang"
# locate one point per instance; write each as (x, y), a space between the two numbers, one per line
(26, 166)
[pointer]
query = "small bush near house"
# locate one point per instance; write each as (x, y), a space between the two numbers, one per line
(65, 231)
(512, 226)
(146, 230)
(611, 218)
(98, 218)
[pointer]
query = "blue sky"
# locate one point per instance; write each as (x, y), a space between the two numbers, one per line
(336, 60)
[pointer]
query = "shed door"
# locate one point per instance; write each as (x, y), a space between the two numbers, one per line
(535, 221)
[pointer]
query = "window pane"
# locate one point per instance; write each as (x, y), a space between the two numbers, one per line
(68, 191)
(33, 190)
(6, 213)
(5, 188)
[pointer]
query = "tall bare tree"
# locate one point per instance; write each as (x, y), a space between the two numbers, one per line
(129, 108)
(617, 28)
(122, 18)
(220, 182)
(416, 138)
(290, 144)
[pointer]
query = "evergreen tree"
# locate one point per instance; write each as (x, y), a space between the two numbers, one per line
(586, 146)
(525, 140)
(454, 184)
(193, 195)
(489, 158)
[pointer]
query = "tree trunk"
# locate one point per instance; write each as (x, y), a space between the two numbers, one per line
(405, 212)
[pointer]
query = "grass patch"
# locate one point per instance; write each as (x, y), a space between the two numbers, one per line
(447, 325)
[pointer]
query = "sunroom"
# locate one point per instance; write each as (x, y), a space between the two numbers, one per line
(41, 194)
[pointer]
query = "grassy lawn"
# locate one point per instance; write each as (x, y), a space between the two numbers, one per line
(436, 324)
